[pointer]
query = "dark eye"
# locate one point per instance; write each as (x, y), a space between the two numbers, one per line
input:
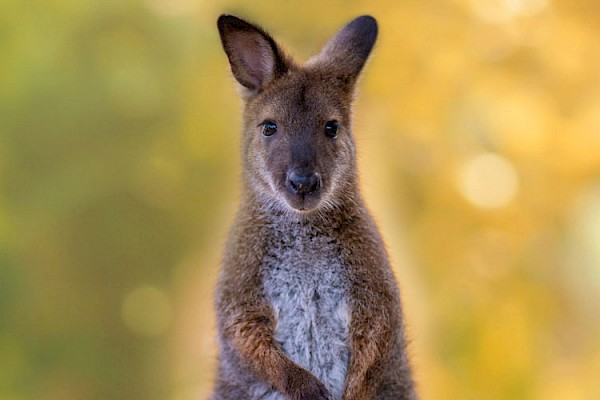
(331, 129)
(269, 128)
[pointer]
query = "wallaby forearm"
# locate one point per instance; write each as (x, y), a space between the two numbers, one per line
(369, 352)
(251, 337)
(376, 314)
(371, 340)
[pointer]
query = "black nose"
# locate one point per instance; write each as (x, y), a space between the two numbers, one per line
(304, 183)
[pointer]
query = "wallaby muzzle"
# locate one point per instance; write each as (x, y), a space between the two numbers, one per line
(304, 183)
(303, 189)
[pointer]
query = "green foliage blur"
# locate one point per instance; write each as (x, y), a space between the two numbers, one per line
(478, 125)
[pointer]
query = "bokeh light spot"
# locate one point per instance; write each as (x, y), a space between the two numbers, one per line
(146, 311)
(501, 11)
(488, 181)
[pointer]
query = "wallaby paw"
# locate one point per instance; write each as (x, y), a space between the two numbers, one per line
(305, 386)
(316, 392)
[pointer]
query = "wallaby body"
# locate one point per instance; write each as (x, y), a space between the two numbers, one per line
(307, 305)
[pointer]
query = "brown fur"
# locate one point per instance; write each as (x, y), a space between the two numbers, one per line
(302, 99)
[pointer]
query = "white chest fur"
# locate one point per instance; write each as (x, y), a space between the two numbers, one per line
(304, 280)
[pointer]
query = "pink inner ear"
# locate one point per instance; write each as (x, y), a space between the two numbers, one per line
(256, 56)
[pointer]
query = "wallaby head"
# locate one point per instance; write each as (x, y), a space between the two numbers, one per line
(298, 149)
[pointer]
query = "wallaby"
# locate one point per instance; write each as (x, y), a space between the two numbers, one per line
(307, 305)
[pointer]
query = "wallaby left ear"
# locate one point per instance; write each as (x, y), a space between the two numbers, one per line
(255, 58)
(346, 53)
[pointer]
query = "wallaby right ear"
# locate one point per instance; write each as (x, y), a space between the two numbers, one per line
(254, 56)
(346, 53)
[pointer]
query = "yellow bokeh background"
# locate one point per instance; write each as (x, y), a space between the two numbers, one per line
(478, 128)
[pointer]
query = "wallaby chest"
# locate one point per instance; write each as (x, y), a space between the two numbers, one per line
(305, 283)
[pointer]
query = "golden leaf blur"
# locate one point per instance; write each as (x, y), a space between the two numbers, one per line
(478, 129)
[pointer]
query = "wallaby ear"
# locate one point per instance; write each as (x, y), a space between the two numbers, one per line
(346, 53)
(254, 56)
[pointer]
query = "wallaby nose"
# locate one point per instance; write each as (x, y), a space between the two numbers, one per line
(304, 183)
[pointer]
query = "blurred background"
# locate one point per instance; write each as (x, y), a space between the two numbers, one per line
(478, 126)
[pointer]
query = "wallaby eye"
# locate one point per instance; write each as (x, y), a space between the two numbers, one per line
(331, 128)
(269, 128)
